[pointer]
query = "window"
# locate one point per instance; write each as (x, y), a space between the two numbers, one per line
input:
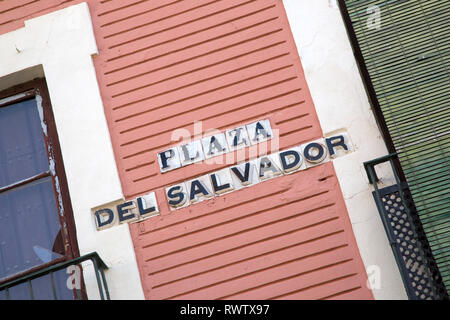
(36, 222)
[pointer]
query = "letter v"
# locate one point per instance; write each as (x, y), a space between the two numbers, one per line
(244, 178)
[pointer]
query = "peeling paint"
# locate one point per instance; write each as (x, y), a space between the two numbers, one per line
(13, 98)
(41, 114)
(51, 163)
(58, 190)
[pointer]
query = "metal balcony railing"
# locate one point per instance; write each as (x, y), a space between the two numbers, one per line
(99, 267)
(406, 236)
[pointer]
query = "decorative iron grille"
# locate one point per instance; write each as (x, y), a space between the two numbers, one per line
(418, 268)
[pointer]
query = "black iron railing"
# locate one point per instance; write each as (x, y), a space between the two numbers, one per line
(99, 268)
(404, 230)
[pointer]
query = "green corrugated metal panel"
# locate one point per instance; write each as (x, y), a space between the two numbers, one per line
(407, 56)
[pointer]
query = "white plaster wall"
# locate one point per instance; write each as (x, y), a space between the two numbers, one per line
(63, 43)
(341, 103)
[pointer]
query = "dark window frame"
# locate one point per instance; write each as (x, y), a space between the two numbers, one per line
(25, 91)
